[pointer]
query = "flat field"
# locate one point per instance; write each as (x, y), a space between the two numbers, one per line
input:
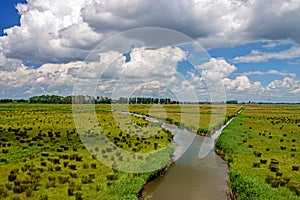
(262, 146)
(196, 117)
(42, 155)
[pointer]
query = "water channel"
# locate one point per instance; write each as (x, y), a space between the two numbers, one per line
(191, 177)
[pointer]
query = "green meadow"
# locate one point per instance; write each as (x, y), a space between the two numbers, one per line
(199, 118)
(42, 156)
(262, 148)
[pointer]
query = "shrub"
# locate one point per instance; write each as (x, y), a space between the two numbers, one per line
(85, 166)
(263, 161)
(12, 177)
(65, 156)
(86, 180)
(45, 154)
(28, 193)
(283, 147)
(256, 164)
(71, 191)
(293, 149)
(92, 176)
(65, 163)
(63, 179)
(14, 171)
(19, 189)
(295, 168)
(72, 166)
(9, 186)
(73, 174)
(78, 195)
(5, 150)
(111, 177)
(278, 173)
(98, 187)
(257, 153)
(273, 167)
(56, 161)
(57, 168)
(93, 165)
(51, 178)
(78, 158)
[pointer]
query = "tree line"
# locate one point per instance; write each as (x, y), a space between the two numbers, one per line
(85, 99)
(56, 99)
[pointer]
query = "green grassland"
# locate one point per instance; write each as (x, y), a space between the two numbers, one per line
(262, 148)
(198, 118)
(42, 155)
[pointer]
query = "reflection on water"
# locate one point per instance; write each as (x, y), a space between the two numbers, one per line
(191, 178)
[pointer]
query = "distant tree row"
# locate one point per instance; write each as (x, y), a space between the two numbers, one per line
(80, 99)
(147, 100)
(50, 99)
(13, 101)
(232, 102)
(55, 99)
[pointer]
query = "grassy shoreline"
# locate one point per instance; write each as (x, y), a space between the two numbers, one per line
(261, 149)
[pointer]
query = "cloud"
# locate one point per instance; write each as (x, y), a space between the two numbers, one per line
(216, 69)
(145, 65)
(242, 83)
(50, 31)
(258, 56)
(287, 89)
(276, 21)
(243, 89)
(287, 83)
(62, 31)
(272, 72)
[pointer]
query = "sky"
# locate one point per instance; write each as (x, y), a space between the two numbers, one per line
(250, 49)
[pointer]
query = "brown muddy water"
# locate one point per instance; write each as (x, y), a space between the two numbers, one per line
(191, 177)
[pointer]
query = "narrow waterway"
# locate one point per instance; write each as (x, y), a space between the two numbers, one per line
(193, 176)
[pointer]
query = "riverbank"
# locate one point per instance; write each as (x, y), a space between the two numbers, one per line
(260, 148)
(142, 195)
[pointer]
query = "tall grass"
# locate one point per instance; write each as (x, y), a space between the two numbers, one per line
(262, 153)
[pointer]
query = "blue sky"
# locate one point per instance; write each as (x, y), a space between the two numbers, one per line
(254, 54)
(9, 15)
(284, 65)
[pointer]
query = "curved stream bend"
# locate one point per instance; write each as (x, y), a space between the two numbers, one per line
(199, 173)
